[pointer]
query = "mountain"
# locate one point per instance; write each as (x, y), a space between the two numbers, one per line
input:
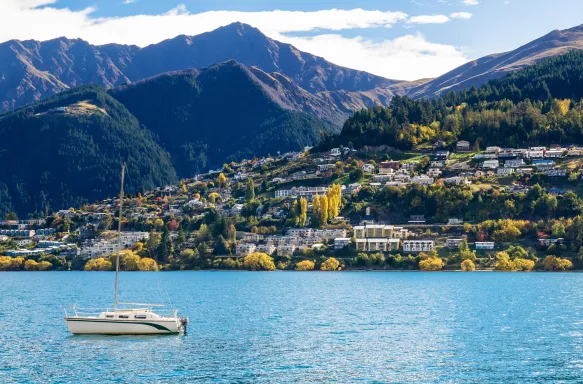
(68, 149)
(32, 70)
(250, 47)
(220, 113)
(478, 72)
(537, 105)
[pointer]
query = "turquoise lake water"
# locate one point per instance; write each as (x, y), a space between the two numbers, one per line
(302, 327)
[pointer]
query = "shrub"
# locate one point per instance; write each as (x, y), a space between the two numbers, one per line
(259, 262)
(431, 264)
(468, 265)
(331, 264)
(306, 265)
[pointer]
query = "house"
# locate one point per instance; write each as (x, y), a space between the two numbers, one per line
(411, 165)
(266, 248)
(555, 172)
(462, 146)
(534, 154)
(457, 180)
(442, 155)
(353, 188)
(575, 151)
(543, 164)
(417, 219)
(554, 153)
(245, 249)
(453, 242)
(434, 172)
(422, 179)
(480, 156)
(485, 245)
(381, 178)
(379, 231)
(415, 246)
(286, 250)
(513, 163)
(283, 193)
(455, 221)
(548, 242)
(341, 242)
(326, 167)
(335, 152)
(389, 166)
(253, 237)
(505, 171)
(368, 168)
(493, 150)
(490, 164)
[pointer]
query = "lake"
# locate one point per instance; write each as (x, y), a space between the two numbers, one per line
(279, 327)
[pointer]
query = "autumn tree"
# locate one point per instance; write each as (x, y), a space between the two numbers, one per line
(468, 265)
(331, 264)
(431, 264)
(305, 265)
(222, 180)
(259, 262)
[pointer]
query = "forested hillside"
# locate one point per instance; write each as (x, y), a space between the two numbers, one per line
(68, 150)
(537, 105)
(218, 114)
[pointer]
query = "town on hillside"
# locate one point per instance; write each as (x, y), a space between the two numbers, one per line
(453, 206)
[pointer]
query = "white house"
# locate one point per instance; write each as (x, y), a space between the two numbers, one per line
(414, 246)
(514, 163)
(335, 152)
(434, 172)
(486, 245)
(245, 249)
(283, 193)
(505, 171)
(422, 179)
(457, 180)
(266, 248)
(490, 164)
(368, 168)
(341, 242)
(493, 149)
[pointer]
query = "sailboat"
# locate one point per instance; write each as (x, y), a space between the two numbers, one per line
(125, 318)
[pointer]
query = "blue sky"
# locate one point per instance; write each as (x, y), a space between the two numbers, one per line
(404, 39)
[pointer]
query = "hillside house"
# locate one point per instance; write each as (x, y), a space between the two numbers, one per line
(462, 146)
(416, 246)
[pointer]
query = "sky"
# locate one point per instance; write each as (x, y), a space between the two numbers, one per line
(397, 39)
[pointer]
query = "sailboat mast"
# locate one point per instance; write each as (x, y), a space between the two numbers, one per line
(123, 168)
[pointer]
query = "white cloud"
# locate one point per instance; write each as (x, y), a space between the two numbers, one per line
(129, 1)
(461, 15)
(429, 19)
(471, 2)
(406, 57)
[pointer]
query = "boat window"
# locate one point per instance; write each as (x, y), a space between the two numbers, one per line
(140, 316)
(110, 316)
(123, 316)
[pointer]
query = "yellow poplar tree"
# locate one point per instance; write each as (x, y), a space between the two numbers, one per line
(316, 208)
(303, 211)
(324, 210)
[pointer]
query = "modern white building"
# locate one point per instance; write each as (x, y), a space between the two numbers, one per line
(485, 245)
(244, 249)
(341, 242)
(416, 246)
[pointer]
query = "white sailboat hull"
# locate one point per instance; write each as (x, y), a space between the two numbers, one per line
(99, 326)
